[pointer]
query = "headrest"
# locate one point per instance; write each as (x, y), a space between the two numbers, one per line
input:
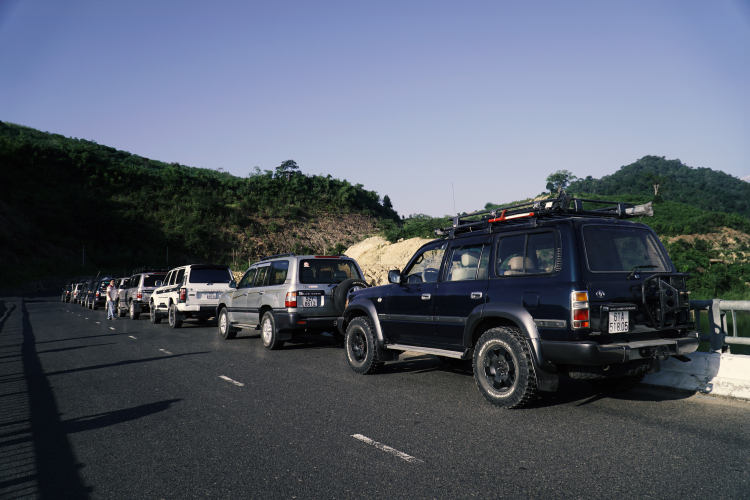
(516, 263)
(470, 259)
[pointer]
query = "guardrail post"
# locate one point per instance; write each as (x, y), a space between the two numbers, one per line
(715, 325)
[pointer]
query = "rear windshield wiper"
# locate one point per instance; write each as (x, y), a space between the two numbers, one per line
(635, 268)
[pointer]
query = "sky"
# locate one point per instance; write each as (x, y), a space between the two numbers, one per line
(442, 106)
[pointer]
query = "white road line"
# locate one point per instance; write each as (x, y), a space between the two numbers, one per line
(97, 322)
(165, 352)
(111, 328)
(132, 337)
(85, 318)
(386, 449)
(230, 380)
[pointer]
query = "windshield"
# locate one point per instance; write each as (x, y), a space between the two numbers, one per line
(151, 279)
(210, 275)
(327, 271)
(622, 249)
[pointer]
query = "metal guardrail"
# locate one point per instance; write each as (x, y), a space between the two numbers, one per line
(718, 310)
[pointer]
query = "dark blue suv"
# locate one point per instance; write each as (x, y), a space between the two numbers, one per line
(529, 292)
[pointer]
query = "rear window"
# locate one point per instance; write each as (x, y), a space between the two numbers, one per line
(151, 279)
(210, 275)
(621, 249)
(327, 271)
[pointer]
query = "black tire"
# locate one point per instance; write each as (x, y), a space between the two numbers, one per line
(225, 329)
(268, 333)
(153, 314)
(341, 292)
(361, 346)
(617, 384)
(503, 369)
(175, 318)
(120, 311)
(94, 305)
(134, 315)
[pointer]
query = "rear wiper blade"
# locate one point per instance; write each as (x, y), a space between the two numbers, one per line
(635, 268)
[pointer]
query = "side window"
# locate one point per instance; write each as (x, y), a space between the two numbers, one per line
(426, 266)
(279, 271)
(526, 254)
(464, 263)
(247, 279)
(168, 278)
(180, 276)
(260, 278)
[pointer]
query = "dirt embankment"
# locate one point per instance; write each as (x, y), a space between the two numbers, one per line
(727, 241)
(376, 256)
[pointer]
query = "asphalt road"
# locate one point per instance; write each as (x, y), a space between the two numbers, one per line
(91, 408)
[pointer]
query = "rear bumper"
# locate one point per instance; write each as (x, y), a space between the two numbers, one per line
(286, 321)
(197, 311)
(593, 354)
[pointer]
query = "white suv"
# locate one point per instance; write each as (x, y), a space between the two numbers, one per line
(189, 292)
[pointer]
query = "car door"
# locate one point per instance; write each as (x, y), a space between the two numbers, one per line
(463, 287)
(238, 307)
(255, 294)
(408, 307)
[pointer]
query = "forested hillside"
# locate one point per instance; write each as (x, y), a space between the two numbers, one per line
(59, 195)
(698, 187)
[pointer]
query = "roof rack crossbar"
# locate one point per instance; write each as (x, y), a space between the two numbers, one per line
(290, 254)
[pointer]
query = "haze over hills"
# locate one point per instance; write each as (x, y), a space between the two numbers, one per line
(61, 194)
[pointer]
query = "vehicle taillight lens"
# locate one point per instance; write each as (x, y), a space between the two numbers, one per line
(183, 294)
(291, 299)
(97, 294)
(579, 303)
(139, 295)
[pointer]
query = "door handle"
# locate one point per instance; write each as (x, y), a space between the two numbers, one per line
(476, 295)
(426, 296)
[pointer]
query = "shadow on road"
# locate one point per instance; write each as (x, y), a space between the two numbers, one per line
(126, 362)
(100, 420)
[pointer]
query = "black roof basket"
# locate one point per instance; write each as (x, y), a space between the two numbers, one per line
(563, 205)
(147, 269)
(277, 256)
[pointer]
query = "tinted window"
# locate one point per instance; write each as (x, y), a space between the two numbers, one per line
(260, 278)
(151, 279)
(210, 275)
(426, 266)
(327, 270)
(464, 263)
(279, 270)
(620, 249)
(526, 254)
(180, 276)
(247, 279)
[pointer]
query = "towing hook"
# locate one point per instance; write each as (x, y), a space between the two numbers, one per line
(662, 352)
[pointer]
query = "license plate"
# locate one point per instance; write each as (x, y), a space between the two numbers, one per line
(211, 295)
(619, 322)
(311, 301)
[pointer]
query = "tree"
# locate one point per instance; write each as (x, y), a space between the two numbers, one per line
(655, 180)
(287, 169)
(560, 180)
(387, 203)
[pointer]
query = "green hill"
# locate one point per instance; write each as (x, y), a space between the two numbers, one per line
(62, 194)
(701, 188)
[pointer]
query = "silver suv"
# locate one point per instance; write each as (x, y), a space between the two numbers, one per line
(189, 292)
(133, 296)
(288, 294)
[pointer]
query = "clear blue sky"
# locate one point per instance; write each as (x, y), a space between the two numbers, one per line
(404, 97)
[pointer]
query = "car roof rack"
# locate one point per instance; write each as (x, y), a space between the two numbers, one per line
(279, 255)
(148, 269)
(562, 206)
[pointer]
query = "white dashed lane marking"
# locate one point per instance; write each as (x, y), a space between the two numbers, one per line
(97, 322)
(111, 328)
(132, 337)
(387, 449)
(224, 377)
(165, 352)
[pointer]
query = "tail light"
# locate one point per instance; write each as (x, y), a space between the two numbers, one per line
(183, 294)
(139, 295)
(291, 299)
(97, 294)
(579, 304)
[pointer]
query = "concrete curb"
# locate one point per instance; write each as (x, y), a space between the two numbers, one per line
(721, 374)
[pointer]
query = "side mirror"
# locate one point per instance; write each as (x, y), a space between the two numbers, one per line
(394, 276)
(158, 283)
(232, 284)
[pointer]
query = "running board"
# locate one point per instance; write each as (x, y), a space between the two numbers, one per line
(426, 350)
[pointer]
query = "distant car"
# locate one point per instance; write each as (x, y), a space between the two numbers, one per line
(284, 295)
(189, 292)
(67, 293)
(77, 288)
(135, 297)
(96, 294)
